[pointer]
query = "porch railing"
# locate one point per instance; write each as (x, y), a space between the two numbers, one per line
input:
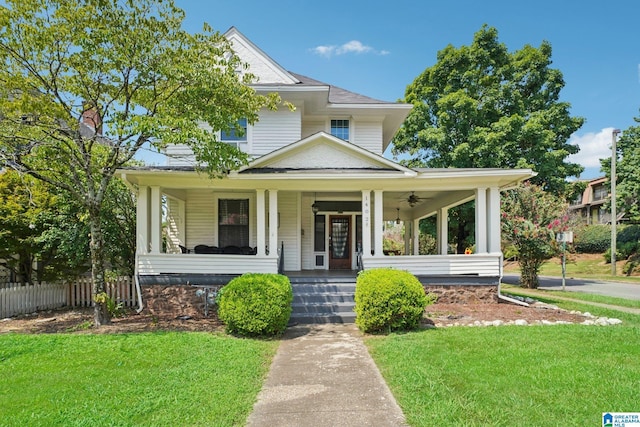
(484, 265)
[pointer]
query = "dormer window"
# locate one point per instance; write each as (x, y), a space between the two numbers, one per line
(340, 128)
(236, 134)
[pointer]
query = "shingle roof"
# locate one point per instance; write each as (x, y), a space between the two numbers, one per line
(338, 95)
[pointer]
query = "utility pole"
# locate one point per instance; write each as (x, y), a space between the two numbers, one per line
(614, 219)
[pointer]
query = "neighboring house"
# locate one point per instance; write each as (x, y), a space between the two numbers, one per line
(590, 205)
(315, 196)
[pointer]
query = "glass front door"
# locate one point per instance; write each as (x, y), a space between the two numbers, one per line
(340, 242)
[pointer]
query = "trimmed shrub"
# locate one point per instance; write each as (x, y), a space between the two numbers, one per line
(256, 304)
(388, 300)
(628, 240)
(592, 239)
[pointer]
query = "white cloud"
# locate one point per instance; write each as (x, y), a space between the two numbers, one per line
(593, 147)
(353, 46)
(323, 50)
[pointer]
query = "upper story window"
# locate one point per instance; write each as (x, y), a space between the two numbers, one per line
(340, 128)
(600, 192)
(235, 134)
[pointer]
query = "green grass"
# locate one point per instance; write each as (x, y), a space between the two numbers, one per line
(582, 266)
(514, 376)
(514, 290)
(150, 379)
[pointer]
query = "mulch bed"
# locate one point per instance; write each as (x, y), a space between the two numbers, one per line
(439, 314)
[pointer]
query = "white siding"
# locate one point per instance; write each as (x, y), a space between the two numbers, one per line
(439, 265)
(289, 231)
(175, 225)
(274, 130)
(368, 135)
(205, 264)
(202, 216)
(179, 155)
(311, 127)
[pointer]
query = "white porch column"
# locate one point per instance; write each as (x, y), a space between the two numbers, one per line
(493, 220)
(366, 222)
(416, 236)
(273, 222)
(142, 221)
(261, 226)
(378, 223)
(408, 225)
(443, 231)
(156, 220)
(481, 220)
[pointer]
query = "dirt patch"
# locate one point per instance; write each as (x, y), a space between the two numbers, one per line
(439, 315)
(446, 314)
(81, 321)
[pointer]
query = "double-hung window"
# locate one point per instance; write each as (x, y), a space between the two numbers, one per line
(236, 134)
(340, 128)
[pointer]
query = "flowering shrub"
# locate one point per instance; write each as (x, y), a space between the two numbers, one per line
(530, 220)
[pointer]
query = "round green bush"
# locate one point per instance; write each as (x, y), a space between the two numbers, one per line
(388, 300)
(256, 304)
(592, 239)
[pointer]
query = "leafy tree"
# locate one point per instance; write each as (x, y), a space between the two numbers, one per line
(24, 206)
(44, 233)
(628, 180)
(530, 220)
(86, 84)
(481, 106)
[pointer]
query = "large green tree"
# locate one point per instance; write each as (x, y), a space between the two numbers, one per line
(133, 75)
(482, 106)
(627, 166)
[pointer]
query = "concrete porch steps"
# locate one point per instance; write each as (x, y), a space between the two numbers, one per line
(323, 301)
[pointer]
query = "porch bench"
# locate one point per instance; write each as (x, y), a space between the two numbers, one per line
(231, 250)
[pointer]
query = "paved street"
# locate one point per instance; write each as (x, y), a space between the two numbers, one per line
(598, 287)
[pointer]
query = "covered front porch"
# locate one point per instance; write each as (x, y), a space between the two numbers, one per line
(319, 204)
(296, 231)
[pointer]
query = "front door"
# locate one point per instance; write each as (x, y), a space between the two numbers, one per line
(340, 242)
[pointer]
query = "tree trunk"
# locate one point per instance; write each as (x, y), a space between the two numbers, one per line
(529, 272)
(101, 315)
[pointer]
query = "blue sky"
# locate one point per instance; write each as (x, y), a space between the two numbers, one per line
(377, 48)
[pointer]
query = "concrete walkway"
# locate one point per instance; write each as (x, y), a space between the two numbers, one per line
(323, 375)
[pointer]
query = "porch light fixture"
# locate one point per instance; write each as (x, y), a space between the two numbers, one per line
(398, 216)
(314, 207)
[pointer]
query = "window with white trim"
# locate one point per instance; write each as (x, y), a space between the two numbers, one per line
(236, 134)
(340, 128)
(233, 222)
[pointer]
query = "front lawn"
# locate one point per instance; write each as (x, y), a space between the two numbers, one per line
(147, 379)
(513, 375)
(583, 266)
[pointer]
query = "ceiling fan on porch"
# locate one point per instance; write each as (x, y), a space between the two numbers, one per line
(413, 200)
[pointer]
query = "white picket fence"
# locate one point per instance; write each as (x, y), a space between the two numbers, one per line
(16, 299)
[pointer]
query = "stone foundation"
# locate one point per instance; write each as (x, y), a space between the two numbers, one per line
(464, 294)
(167, 301)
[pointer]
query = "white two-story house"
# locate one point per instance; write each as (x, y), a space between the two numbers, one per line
(315, 196)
